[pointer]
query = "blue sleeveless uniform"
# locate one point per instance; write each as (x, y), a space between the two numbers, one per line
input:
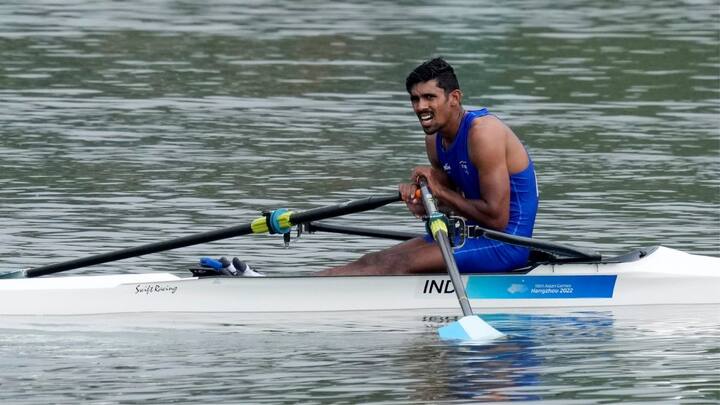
(482, 254)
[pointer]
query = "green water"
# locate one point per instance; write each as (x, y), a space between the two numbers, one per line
(124, 123)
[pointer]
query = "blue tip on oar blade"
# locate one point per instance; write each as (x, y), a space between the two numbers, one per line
(469, 328)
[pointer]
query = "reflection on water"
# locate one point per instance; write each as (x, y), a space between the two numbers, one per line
(134, 122)
(620, 355)
(514, 368)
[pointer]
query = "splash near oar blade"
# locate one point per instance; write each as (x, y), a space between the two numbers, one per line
(469, 328)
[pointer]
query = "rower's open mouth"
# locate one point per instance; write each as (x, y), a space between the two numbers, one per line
(425, 117)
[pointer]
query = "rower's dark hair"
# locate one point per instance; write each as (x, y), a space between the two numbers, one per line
(433, 69)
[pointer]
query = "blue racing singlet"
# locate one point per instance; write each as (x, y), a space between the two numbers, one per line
(481, 254)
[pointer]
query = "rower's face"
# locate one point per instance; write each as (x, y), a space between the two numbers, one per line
(431, 105)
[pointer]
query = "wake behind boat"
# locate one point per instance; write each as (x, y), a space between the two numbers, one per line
(651, 276)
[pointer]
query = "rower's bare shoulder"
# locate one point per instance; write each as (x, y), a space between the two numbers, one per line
(488, 129)
(493, 136)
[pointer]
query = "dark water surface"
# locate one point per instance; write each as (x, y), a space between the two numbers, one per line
(124, 123)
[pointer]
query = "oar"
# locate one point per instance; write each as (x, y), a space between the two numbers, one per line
(569, 252)
(278, 221)
(470, 327)
(581, 254)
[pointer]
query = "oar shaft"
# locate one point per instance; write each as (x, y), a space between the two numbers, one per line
(469, 327)
(127, 253)
(539, 245)
(351, 230)
(349, 207)
(440, 233)
(444, 243)
(314, 214)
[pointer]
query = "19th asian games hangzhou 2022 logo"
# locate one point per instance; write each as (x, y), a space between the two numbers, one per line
(516, 288)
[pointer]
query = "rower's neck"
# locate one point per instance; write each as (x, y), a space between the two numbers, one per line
(450, 131)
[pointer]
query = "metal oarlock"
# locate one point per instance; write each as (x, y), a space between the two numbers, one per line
(286, 239)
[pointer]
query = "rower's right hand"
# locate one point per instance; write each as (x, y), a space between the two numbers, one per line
(410, 194)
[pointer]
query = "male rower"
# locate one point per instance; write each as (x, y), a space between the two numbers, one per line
(478, 169)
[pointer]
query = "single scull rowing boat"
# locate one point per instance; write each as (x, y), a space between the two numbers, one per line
(558, 276)
(643, 277)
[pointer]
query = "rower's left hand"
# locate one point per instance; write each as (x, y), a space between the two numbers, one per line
(433, 176)
(409, 193)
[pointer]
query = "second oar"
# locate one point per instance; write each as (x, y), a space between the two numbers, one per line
(470, 327)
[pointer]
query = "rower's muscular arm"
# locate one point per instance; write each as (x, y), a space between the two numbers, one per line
(488, 149)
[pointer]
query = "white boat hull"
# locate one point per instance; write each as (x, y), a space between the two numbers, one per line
(666, 276)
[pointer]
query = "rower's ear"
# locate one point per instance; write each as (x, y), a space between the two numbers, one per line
(455, 97)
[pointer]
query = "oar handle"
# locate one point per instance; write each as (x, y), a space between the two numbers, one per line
(438, 226)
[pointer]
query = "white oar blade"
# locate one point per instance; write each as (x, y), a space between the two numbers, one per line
(471, 329)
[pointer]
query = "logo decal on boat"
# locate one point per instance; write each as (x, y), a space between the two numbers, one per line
(148, 289)
(518, 287)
